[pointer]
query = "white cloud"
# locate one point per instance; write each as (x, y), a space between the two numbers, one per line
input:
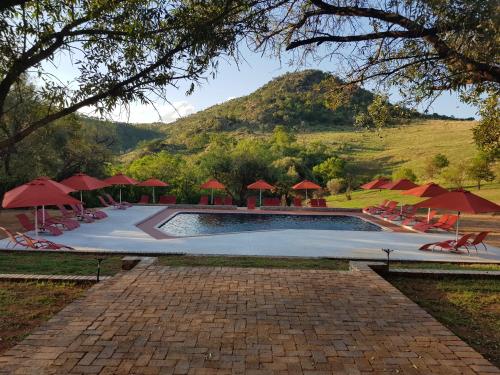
(147, 113)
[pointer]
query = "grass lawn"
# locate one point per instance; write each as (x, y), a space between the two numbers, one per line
(57, 264)
(25, 306)
(446, 266)
(259, 262)
(469, 308)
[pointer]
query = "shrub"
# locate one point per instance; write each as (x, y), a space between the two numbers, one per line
(335, 185)
(404, 173)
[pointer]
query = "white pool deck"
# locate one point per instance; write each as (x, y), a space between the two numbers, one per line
(118, 233)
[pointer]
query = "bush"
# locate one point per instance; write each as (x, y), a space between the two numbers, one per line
(335, 185)
(455, 175)
(404, 173)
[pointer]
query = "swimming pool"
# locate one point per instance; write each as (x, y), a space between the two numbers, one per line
(194, 224)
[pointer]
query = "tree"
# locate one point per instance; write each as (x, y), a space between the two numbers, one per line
(121, 51)
(455, 175)
(378, 114)
(487, 132)
(404, 173)
(435, 164)
(335, 185)
(331, 168)
(424, 47)
(480, 169)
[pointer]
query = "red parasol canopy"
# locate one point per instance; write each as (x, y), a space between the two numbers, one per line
(462, 201)
(120, 179)
(81, 181)
(375, 184)
(36, 193)
(403, 184)
(153, 182)
(428, 190)
(306, 185)
(63, 188)
(212, 184)
(260, 185)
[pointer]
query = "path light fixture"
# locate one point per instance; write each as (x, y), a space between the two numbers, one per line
(388, 252)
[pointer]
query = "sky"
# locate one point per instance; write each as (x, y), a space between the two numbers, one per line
(232, 81)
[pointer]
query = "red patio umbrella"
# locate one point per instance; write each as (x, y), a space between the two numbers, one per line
(36, 193)
(213, 184)
(63, 188)
(153, 182)
(462, 201)
(81, 181)
(403, 184)
(376, 184)
(260, 185)
(428, 191)
(120, 179)
(306, 185)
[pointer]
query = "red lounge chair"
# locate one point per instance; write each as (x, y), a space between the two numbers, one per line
(378, 206)
(322, 202)
(13, 239)
(313, 202)
(42, 244)
(392, 209)
(446, 224)
(28, 225)
(228, 200)
(480, 237)
(218, 201)
(407, 212)
(167, 199)
(144, 199)
(66, 224)
(106, 204)
(123, 203)
(203, 200)
(94, 214)
(297, 202)
(415, 219)
(73, 215)
(450, 245)
(388, 207)
(271, 202)
(251, 202)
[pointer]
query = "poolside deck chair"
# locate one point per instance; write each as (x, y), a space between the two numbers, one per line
(392, 209)
(271, 202)
(297, 202)
(446, 224)
(417, 219)
(106, 204)
(42, 244)
(228, 200)
(479, 240)
(167, 199)
(28, 225)
(65, 223)
(218, 201)
(123, 203)
(313, 202)
(13, 239)
(451, 245)
(93, 213)
(203, 200)
(251, 203)
(390, 206)
(74, 215)
(144, 199)
(377, 206)
(322, 202)
(407, 212)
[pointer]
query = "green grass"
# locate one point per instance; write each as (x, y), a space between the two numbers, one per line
(364, 198)
(57, 264)
(446, 266)
(258, 262)
(470, 308)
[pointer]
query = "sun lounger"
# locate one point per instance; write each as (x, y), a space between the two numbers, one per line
(28, 225)
(389, 207)
(106, 204)
(93, 213)
(479, 240)
(218, 201)
(167, 199)
(203, 200)
(251, 202)
(144, 199)
(450, 245)
(123, 203)
(377, 207)
(67, 224)
(228, 200)
(407, 212)
(297, 202)
(313, 202)
(271, 202)
(416, 219)
(41, 244)
(74, 215)
(13, 239)
(322, 202)
(446, 222)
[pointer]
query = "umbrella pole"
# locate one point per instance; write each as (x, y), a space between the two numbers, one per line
(260, 197)
(120, 194)
(154, 201)
(212, 197)
(81, 202)
(428, 215)
(458, 222)
(36, 223)
(306, 194)
(43, 215)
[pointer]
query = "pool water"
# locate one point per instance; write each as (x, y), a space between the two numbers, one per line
(195, 224)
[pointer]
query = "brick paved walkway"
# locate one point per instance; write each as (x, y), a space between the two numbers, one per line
(161, 320)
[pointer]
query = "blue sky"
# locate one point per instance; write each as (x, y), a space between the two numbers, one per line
(233, 81)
